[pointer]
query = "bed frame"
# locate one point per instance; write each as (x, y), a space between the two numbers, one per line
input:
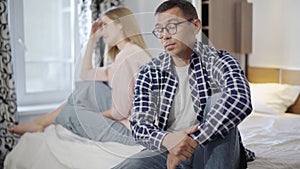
(276, 75)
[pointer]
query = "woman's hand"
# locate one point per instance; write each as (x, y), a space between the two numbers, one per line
(87, 72)
(96, 30)
(107, 114)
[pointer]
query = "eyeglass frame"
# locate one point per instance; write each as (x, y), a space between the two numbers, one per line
(165, 28)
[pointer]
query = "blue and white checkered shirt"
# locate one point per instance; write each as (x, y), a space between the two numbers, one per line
(210, 71)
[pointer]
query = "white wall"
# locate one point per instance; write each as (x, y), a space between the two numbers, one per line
(291, 33)
(275, 33)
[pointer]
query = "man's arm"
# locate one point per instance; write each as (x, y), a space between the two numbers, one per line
(145, 109)
(234, 104)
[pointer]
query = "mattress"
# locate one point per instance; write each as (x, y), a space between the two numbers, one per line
(275, 139)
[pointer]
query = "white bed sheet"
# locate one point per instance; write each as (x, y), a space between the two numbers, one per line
(274, 139)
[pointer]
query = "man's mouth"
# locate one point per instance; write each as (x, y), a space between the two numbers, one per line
(169, 46)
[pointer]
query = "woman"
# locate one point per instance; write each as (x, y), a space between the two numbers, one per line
(80, 114)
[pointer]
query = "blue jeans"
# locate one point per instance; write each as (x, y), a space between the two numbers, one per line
(222, 153)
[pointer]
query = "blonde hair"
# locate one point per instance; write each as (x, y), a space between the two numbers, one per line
(131, 28)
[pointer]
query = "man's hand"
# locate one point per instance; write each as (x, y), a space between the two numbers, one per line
(172, 161)
(180, 146)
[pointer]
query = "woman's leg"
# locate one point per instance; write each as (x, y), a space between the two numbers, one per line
(96, 127)
(87, 94)
(82, 115)
(38, 124)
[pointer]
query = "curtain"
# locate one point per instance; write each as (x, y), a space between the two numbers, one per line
(97, 7)
(8, 106)
(84, 20)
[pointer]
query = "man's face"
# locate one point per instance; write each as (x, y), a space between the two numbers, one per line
(180, 43)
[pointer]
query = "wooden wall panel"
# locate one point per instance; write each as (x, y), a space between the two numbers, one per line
(263, 75)
(291, 77)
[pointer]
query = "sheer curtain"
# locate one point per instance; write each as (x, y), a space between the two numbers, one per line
(8, 106)
(84, 20)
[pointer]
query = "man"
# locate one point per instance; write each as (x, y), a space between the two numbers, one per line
(189, 100)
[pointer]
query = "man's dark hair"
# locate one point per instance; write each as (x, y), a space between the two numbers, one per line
(187, 8)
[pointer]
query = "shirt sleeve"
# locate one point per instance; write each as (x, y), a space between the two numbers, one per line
(143, 119)
(234, 104)
(103, 73)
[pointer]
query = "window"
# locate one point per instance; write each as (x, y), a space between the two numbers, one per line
(44, 48)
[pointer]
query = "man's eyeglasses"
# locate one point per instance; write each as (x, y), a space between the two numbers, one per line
(171, 28)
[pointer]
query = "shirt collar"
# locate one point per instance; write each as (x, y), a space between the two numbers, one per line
(197, 51)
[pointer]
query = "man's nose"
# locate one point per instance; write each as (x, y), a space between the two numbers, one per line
(166, 35)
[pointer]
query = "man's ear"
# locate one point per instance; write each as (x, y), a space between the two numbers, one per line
(197, 26)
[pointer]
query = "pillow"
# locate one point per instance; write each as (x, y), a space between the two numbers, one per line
(273, 98)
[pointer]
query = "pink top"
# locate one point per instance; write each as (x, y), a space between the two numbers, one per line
(121, 76)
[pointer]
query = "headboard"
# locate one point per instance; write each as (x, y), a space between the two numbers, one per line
(276, 75)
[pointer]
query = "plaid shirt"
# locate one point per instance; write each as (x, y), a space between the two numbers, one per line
(210, 71)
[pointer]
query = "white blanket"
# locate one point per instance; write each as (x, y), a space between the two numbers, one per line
(58, 148)
(274, 139)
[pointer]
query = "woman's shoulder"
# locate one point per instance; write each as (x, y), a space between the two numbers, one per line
(134, 52)
(133, 48)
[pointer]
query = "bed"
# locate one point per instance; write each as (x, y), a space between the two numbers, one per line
(273, 135)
